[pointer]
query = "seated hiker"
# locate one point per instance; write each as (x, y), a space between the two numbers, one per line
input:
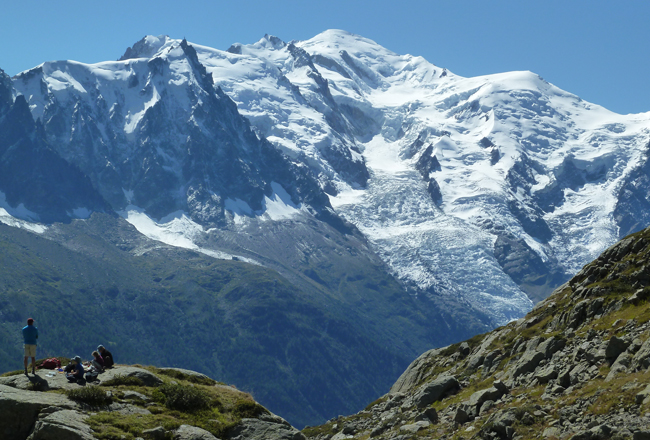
(97, 362)
(107, 356)
(77, 371)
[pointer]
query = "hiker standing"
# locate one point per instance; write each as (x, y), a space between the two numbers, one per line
(30, 335)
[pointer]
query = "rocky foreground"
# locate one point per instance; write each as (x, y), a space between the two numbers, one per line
(131, 402)
(575, 367)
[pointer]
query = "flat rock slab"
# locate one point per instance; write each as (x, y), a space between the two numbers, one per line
(45, 380)
(267, 427)
(148, 378)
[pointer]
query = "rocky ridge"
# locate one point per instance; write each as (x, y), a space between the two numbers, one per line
(575, 367)
(134, 403)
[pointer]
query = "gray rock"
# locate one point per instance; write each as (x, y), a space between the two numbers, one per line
(430, 415)
(641, 359)
(577, 374)
(434, 390)
(550, 346)
(615, 346)
(552, 432)
(134, 395)
(476, 400)
(62, 425)
(464, 349)
(545, 374)
(528, 362)
(127, 409)
(415, 372)
(500, 422)
(19, 410)
(461, 416)
(620, 366)
(564, 378)
(414, 427)
(485, 407)
(148, 378)
(476, 359)
(187, 432)
(641, 435)
(600, 432)
(644, 396)
(157, 433)
(267, 427)
(491, 360)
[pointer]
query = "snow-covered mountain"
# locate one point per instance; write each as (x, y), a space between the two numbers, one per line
(479, 190)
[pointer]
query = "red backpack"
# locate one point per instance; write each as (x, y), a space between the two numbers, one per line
(51, 364)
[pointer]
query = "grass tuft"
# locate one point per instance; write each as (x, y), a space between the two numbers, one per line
(184, 398)
(123, 380)
(91, 395)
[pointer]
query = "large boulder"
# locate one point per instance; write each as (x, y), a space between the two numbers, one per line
(62, 425)
(528, 362)
(19, 410)
(187, 432)
(435, 390)
(473, 405)
(550, 346)
(267, 427)
(615, 347)
(641, 359)
(147, 377)
(415, 372)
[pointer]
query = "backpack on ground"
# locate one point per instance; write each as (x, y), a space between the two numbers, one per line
(51, 364)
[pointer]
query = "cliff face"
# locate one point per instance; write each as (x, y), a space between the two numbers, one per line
(129, 402)
(575, 367)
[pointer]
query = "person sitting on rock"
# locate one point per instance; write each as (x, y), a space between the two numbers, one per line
(77, 372)
(107, 356)
(97, 362)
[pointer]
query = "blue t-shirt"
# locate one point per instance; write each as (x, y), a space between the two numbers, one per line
(78, 371)
(30, 334)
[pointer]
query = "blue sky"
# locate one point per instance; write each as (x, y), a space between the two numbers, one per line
(596, 49)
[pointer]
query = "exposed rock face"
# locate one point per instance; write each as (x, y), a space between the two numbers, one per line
(33, 174)
(20, 409)
(435, 390)
(576, 367)
(62, 425)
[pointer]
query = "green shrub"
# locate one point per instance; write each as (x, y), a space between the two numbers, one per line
(247, 409)
(123, 380)
(185, 398)
(91, 395)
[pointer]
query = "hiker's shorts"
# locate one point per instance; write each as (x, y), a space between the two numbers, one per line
(30, 350)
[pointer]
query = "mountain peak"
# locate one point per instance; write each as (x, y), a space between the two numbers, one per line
(146, 47)
(271, 41)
